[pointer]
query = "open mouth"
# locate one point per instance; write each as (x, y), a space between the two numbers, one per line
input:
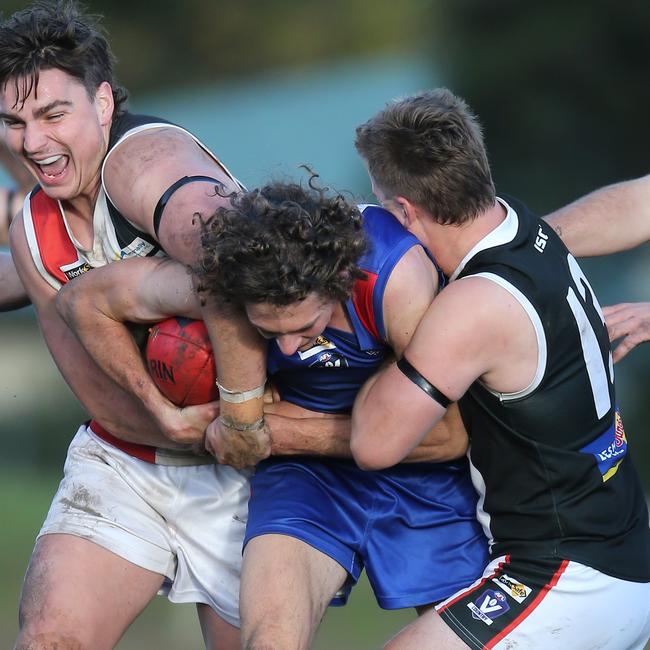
(53, 166)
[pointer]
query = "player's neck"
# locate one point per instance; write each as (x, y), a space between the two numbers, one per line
(82, 205)
(450, 244)
(79, 212)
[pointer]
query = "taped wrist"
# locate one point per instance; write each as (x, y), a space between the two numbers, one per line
(237, 397)
(241, 426)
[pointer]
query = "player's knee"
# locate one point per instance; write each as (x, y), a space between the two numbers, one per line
(37, 638)
(274, 637)
(256, 642)
(264, 644)
(44, 628)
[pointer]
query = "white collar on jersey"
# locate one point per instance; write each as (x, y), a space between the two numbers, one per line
(502, 234)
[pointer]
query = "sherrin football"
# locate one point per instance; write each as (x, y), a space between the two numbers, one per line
(180, 361)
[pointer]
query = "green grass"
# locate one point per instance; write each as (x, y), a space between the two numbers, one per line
(25, 499)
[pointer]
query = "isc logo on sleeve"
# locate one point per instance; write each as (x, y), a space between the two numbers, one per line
(540, 241)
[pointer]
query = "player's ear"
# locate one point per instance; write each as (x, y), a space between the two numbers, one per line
(104, 103)
(406, 211)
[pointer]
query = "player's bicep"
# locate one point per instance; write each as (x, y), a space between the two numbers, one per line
(410, 290)
(390, 418)
(462, 336)
(41, 294)
(451, 347)
(141, 170)
(135, 174)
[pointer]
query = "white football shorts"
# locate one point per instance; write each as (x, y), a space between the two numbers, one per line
(554, 604)
(185, 522)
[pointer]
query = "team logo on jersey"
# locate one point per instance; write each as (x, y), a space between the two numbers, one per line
(329, 359)
(321, 344)
(323, 354)
(489, 605)
(609, 448)
(513, 587)
(79, 267)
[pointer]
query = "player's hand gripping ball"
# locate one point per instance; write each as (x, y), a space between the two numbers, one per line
(180, 361)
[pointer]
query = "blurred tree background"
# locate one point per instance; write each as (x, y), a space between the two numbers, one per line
(561, 89)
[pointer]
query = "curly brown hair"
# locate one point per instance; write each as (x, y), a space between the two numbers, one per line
(280, 243)
(56, 35)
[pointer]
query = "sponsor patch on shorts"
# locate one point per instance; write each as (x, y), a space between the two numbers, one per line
(489, 605)
(515, 589)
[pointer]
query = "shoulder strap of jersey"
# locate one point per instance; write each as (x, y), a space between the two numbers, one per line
(47, 237)
(362, 299)
(388, 242)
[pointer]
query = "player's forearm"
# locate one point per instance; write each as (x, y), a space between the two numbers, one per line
(117, 411)
(316, 436)
(240, 356)
(124, 417)
(609, 220)
(447, 440)
(330, 437)
(110, 344)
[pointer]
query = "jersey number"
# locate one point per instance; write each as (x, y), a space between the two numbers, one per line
(600, 377)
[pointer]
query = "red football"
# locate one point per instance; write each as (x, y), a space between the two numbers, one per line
(180, 360)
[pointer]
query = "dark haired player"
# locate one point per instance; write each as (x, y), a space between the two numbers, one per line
(112, 186)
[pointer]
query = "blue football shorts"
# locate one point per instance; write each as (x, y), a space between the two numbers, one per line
(412, 527)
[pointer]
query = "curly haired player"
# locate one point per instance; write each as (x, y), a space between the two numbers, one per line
(336, 291)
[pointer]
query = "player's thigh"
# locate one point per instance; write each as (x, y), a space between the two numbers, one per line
(79, 591)
(286, 587)
(428, 632)
(217, 633)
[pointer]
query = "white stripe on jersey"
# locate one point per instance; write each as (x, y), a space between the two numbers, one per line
(482, 516)
(505, 232)
(32, 242)
(539, 333)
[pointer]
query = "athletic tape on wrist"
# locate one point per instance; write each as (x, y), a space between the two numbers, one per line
(241, 426)
(423, 383)
(237, 397)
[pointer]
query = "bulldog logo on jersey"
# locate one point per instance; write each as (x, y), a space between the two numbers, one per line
(323, 354)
